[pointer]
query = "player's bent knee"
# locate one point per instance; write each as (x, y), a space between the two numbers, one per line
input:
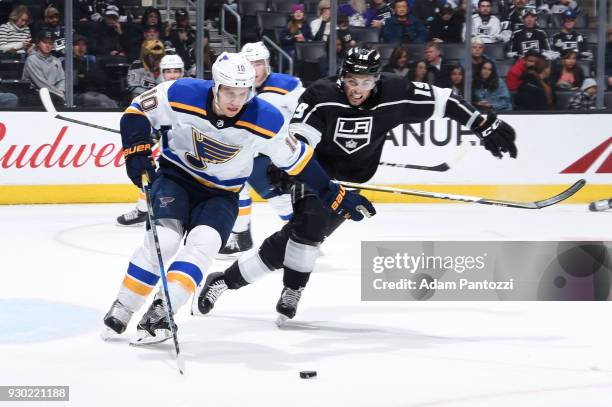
(300, 256)
(169, 242)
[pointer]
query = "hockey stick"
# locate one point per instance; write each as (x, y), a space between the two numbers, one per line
(475, 199)
(45, 98)
(147, 191)
(439, 168)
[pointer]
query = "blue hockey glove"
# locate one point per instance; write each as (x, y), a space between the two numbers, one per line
(137, 161)
(349, 204)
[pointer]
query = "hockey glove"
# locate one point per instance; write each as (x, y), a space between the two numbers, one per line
(138, 160)
(345, 203)
(279, 179)
(497, 136)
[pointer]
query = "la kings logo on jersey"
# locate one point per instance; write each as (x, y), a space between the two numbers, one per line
(353, 134)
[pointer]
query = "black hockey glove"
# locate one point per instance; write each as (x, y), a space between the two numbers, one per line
(137, 161)
(349, 204)
(279, 179)
(497, 135)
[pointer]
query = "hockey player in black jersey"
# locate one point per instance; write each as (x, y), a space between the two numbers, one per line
(528, 37)
(346, 119)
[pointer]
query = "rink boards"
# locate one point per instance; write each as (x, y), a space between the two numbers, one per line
(46, 160)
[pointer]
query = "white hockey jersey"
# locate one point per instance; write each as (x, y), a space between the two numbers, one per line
(217, 152)
(489, 31)
(283, 92)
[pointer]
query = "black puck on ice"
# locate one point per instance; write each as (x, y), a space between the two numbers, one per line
(308, 374)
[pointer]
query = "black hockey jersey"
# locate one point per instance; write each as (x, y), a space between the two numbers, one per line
(349, 140)
(574, 40)
(524, 40)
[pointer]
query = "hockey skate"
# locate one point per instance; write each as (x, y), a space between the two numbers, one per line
(213, 288)
(237, 243)
(133, 217)
(287, 304)
(116, 320)
(154, 326)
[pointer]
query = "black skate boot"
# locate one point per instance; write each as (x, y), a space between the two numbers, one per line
(154, 326)
(116, 320)
(213, 288)
(287, 304)
(238, 242)
(133, 217)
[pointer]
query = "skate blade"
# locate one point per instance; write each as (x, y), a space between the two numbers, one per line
(108, 335)
(161, 335)
(281, 320)
(229, 256)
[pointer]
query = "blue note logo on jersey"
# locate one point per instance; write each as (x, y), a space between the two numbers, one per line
(209, 151)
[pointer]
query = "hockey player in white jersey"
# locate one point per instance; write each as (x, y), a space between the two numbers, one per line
(172, 68)
(283, 92)
(217, 127)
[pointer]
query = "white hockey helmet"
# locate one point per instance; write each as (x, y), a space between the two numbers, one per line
(233, 69)
(254, 51)
(172, 62)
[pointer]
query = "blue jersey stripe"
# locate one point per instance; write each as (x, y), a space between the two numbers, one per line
(142, 275)
(188, 268)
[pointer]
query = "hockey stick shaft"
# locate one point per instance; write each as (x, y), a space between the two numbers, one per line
(151, 217)
(438, 168)
(474, 199)
(45, 98)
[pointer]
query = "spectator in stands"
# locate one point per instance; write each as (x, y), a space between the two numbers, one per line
(8, 100)
(535, 93)
(181, 23)
(438, 72)
(83, 10)
(561, 6)
(514, 18)
(89, 79)
(151, 18)
(489, 92)
(528, 37)
(457, 80)
(567, 75)
(340, 55)
(15, 36)
(586, 99)
(343, 32)
(486, 26)
(298, 30)
(355, 10)
(608, 72)
(514, 77)
(144, 74)
(447, 26)
(110, 38)
(478, 54)
(426, 10)
(398, 62)
(42, 69)
(377, 13)
(418, 73)
(403, 26)
(52, 22)
(209, 56)
(182, 36)
(151, 33)
(568, 38)
(321, 26)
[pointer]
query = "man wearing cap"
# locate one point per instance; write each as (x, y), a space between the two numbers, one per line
(53, 24)
(528, 37)
(486, 26)
(42, 69)
(404, 26)
(586, 99)
(568, 38)
(447, 26)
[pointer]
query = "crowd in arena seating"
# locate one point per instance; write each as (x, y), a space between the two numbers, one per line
(526, 54)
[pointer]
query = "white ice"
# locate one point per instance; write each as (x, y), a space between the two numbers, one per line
(63, 264)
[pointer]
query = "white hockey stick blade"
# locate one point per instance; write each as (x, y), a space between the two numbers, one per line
(45, 98)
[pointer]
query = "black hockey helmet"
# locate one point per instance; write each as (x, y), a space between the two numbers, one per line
(362, 61)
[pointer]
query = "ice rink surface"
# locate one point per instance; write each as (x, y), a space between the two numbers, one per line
(63, 264)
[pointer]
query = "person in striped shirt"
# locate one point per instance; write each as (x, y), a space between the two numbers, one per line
(15, 35)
